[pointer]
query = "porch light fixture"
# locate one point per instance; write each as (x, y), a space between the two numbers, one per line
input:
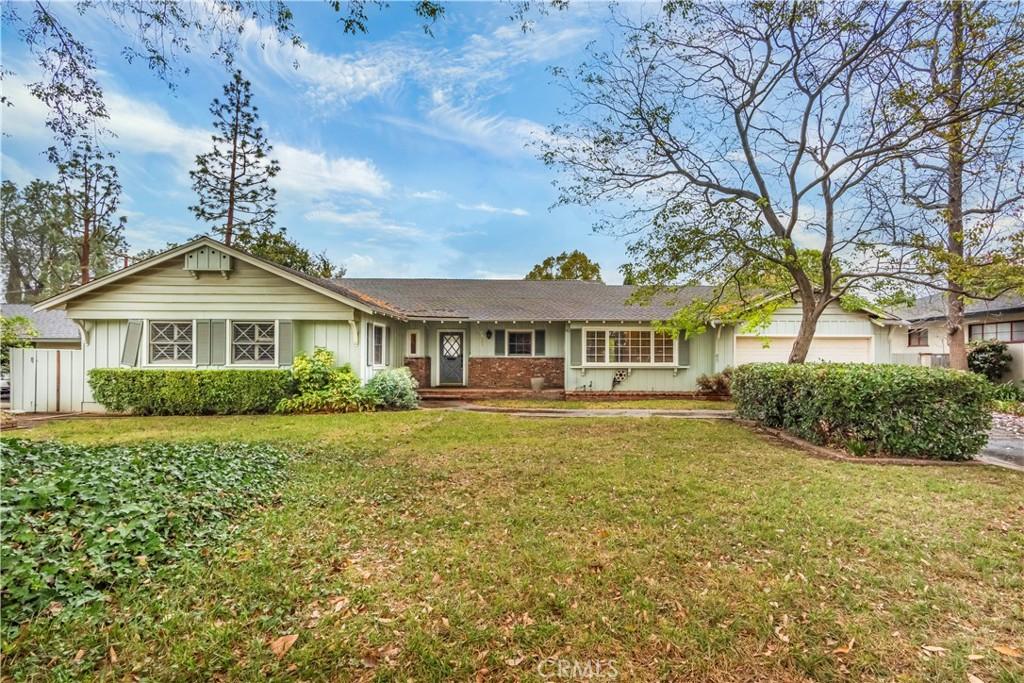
(489, 334)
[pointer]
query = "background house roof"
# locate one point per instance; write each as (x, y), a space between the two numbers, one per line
(934, 306)
(517, 299)
(50, 324)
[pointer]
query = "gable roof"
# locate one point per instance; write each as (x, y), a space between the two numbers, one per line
(51, 325)
(518, 300)
(329, 288)
(933, 306)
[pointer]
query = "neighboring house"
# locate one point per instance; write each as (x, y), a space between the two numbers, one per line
(205, 305)
(922, 339)
(56, 330)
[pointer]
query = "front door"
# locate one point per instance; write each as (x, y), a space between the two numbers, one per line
(450, 370)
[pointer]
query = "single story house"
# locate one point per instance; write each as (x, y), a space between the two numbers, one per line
(55, 329)
(923, 339)
(206, 305)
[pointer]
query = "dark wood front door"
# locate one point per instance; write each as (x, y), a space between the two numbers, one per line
(452, 352)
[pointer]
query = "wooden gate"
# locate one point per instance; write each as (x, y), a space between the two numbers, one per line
(47, 380)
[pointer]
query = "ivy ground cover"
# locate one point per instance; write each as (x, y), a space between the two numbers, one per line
(442, 546)
(80, 520)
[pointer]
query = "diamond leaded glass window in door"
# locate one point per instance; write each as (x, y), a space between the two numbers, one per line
(252, 342)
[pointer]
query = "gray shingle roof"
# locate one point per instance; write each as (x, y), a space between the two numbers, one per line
(50, 324)
(934, 306)
(516, 299)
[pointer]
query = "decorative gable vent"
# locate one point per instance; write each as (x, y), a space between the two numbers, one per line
(207, 259)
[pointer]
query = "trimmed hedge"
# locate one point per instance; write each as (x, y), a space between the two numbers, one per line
(896, 410)
(190, 392)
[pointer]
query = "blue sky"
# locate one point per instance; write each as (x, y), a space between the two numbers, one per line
(402, 154)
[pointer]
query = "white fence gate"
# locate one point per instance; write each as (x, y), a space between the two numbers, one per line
(47, 380)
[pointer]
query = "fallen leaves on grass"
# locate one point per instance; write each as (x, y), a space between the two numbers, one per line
(280, 646)
(971, 678)
(1011, 652)
(844, 650)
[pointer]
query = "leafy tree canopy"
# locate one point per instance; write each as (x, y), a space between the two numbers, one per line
(16, 331)
(573, 265)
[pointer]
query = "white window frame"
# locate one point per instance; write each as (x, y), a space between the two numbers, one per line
(383, 345)
(508, 344)
(229, 342)
(409, 351)
(148, 358)
(611, 364)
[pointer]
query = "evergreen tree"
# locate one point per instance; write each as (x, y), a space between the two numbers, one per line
(91, 186)
(37, 251)
(233, 179)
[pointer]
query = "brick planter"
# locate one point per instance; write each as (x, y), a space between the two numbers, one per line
(420, 368)
(515, 373)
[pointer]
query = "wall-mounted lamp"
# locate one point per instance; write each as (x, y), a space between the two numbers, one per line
(488, 334)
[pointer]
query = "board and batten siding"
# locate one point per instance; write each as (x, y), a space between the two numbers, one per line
(168, 292)
(102, 349)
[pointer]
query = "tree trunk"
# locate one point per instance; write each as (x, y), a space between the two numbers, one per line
(955, 218)
(805, 335)
(231, 183)
(84, 260)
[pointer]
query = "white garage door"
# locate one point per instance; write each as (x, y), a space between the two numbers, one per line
(832, 349)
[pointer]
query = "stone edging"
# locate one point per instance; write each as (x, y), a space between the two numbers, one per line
(826, 453)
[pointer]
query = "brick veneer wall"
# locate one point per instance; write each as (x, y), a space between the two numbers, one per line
(420, 367)
(515, 373)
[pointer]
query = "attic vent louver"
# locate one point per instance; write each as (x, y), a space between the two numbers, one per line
(208, 259)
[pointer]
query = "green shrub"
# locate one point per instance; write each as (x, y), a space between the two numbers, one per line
(190, 392)
(718, 384)
(906, 411)
(1008, 392)
(323, 387)
(989, 358)
(77, 520)
(394, 389)
(1011, 407)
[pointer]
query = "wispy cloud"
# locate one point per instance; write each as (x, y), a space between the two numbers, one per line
(431, 195)
(487, 208)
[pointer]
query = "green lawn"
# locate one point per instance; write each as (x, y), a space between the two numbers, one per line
(645, 404)
(464, 546)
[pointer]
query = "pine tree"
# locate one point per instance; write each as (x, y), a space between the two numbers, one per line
(90, 183)
(233, 179)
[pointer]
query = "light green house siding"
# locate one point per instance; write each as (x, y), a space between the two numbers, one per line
(582, 377)
(168, 292)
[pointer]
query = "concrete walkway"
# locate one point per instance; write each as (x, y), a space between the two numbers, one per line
(695, 414)
(1004, 448)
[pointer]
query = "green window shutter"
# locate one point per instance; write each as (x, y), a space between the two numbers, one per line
(387, 345)
(684, 350)
(499, 342)
(369, 344)
(202, 342)
(538, 342)
(285, 345)
(576, 347)
(218, 342)
(132, 339)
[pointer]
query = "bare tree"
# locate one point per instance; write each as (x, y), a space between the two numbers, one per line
(737, 141)
(963, 185)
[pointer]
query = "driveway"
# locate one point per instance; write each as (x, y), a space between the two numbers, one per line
(1005, 443)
